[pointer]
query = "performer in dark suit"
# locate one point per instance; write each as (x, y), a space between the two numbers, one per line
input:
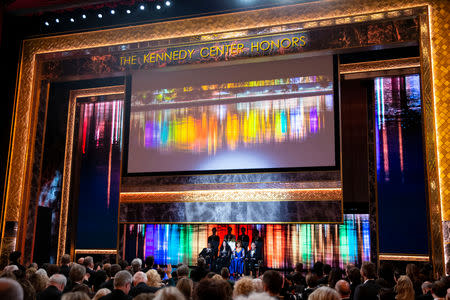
(208, 254)
(230, 237)
(259, 242)
(369, 289)
(252, 260)
(244, 239)
(223, 260)
(214, 240)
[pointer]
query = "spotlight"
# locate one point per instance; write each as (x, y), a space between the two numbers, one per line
(72, 20)
(100, 16)
(57, 20)
(47, 23)
(158, 7)
(83, 16)
(113, 11)
(142, 7)
(168, 3)
(128, 11)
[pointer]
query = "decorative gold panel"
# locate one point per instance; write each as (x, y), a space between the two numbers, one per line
(320, 13)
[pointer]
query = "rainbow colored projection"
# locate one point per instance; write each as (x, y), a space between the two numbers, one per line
(284, 245)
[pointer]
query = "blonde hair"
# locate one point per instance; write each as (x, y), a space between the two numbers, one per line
(404, 288)
(324, 293)
(217, 277)
(244, 287)
(100, 293)
(169, 293)
(153, 278)
(258, 284)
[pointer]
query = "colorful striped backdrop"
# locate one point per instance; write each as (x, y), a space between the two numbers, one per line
(284, 244)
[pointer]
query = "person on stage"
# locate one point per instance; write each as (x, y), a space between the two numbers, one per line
(237, 260)
(244, 239)
(223, 260)
(208, 254)
(214, 240)
(230, 238)
(259, 242)
(252, 260)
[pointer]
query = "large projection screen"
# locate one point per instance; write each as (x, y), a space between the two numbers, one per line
(257, 115)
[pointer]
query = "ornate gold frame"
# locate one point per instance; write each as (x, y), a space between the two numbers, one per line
(65, 195)
(434, 63)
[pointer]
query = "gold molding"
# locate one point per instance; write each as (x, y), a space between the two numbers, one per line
(403, 257)
(95, 251)
(382, 65)
(65, 193)
(238, 195)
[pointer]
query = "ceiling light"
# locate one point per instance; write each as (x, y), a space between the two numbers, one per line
(57, 20)
(72, 20)
(158, 7)
(100, 16)
(128, 11)
(83, 16)
(168, 3)
(142, 7)
(113, 11)
(47, 23)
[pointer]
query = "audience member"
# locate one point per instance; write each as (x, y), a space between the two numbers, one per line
(343, 289)
(109, 284)
(76, 276)
(56, 285)
(354, 276)
(10, 289)
(334, 276)
(75, 296)
(182, 272)
(426, 291)
(439, 290)
(101, 293)
(311, 285)
(14, 258)
(169, 293)
(154, 279)
(272, 283)
(186, 287)
(404, 288)
(65, 265)
(38, 281)
(324, 293)
(140, 286)
(369, 289)
(122, 286)
(258, 284)
(244, 287)
(136, 265)
(210, 289)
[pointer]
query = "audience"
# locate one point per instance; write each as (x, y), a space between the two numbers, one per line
(118, 281)
(56, 285)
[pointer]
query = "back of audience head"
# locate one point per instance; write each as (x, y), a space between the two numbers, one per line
(65, 259)
(114, 269)
(426, 287)
(186, 287)
(243, 287)
(169, 293)
(272, 282)
(153, 278)
(386, 272)
(334, 276)
(99, 278)
(149, 261)
(298, 267)
(324, 293)
(343, 288)
(311, 280)
(123, 281)
(404, 288)
(208, 289)
(58, 280)
(75, 296)
(183, 271)
(136, 264)
(10, 289)
(145, 296)
(139, 277)
(77, 272)
(368, 270)
(88, 262)
(438, 289)
(318, 269)
(225, 273)
(354, 275)
(101, 293)
(38, 281)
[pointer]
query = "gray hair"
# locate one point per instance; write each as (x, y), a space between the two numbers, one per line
(183, 270)
(169, 293)
(11, 268)
(58, 279)
(122, 278)
(140, 276)
(75, 296)
(136, 262)
(88, 260)
(42, 272)
(324, 292)
(101, 292)
(10, 289)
